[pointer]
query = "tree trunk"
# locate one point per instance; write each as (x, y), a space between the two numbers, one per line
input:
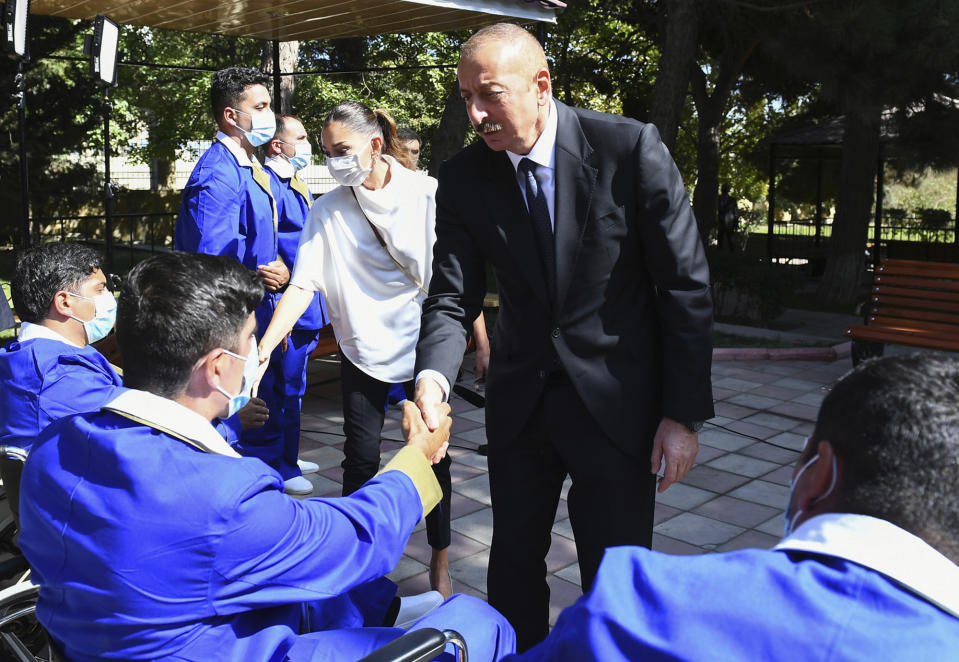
(450, 134)
(706, 192)
(711, 111)
(845, 263)
(672, 78)
(289, 57)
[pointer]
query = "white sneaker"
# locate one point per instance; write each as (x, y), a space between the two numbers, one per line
(307, 467)
(297, 486)
(415, 607)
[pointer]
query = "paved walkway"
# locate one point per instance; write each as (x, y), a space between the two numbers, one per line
(733, 498)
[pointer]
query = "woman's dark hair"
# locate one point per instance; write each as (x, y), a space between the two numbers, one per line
(359, 118)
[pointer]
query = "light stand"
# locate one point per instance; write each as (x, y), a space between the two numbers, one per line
(17, 44)
(101, 46)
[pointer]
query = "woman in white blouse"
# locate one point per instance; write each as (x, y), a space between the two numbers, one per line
(367, 246)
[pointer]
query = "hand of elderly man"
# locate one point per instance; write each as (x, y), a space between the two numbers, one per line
(433, 444)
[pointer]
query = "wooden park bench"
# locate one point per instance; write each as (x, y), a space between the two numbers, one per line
(912, 303)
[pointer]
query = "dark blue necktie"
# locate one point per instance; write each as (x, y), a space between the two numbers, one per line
(542, 227)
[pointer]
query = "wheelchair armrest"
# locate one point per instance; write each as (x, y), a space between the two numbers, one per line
(417, 646)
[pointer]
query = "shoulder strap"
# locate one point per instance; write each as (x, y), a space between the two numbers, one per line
(379, 238)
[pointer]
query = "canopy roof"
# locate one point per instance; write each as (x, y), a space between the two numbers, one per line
(299, 20)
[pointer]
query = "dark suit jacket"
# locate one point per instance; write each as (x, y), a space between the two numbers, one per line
(631, 320)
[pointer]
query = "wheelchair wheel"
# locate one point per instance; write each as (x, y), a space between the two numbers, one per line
(22, 638)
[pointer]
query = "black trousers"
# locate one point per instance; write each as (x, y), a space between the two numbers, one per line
(610, 503)
(364, 410)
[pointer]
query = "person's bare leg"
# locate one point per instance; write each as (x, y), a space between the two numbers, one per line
(440, 573)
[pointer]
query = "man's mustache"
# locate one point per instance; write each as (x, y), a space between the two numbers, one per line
(487, 127)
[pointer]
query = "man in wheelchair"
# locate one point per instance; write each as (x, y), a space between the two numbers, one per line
(151, 538)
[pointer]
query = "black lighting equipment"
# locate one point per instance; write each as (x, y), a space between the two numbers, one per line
(101, 46)
(16, 43)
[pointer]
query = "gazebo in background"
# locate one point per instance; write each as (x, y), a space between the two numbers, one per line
(889, 237)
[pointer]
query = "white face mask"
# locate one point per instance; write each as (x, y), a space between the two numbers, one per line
(262, 127)
(238, 401)
(347, 171)
(104, 316)
(302, 155)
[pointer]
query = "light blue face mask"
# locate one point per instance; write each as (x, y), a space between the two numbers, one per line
(302, 156)
(104, 315)
(238, 401)
(262, 127)
(791, 517)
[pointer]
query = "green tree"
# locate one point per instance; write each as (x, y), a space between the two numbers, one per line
(866, 56)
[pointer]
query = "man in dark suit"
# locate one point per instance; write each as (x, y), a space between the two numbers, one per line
(602, 347)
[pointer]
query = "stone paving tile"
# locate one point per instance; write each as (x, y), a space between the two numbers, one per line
(477, 525)
(711, 478)
(743, 465)
(661, 513)
(324, 438)
(668, 545)
(325, 456)
(460, 471)
(722, 393)
(470, 458)
(779, 392)
(406, 568)
(790, 440)
(736, 511)
(812, 399)
(771, 421)
(471, 570)
(734, 384)
(774, 526)
(726, 408)
(461, 425)
(476, 488)
(564, 528)
(804, 429)
(782, 475)
(723, 440)
(698, 530)
(771, 453)
(749, 539)
(758, 374)
(476, 436)
(752, 430)
(561, 595)
(754, 400)
(333, 473)
(684, 497)
(784, 368)
(804, 412)
(476, 415)
(418, 547)
(764, 492)
(562, 510)
(798, 384)
(562, 552)
(570, 573)
(323, 486)
(461, 505)
(707, 453)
